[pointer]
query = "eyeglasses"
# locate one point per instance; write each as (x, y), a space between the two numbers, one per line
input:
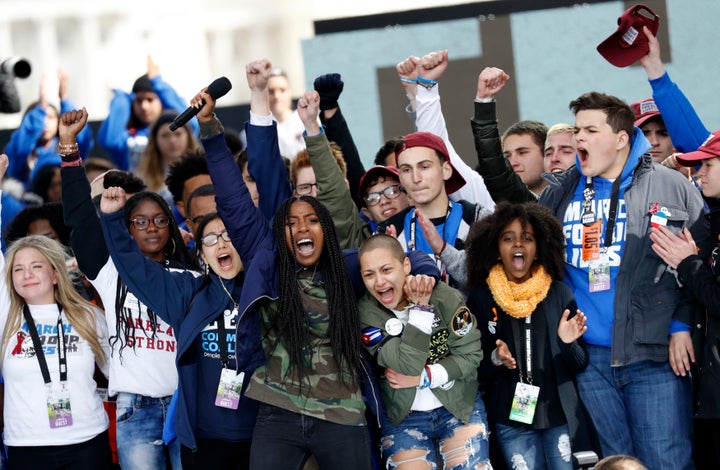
(212, 238)
(142, 223)
(304, 189)
(391, 192)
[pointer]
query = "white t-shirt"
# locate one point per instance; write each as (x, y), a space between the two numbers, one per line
(26, 397)
(290, 136)
(148, 369)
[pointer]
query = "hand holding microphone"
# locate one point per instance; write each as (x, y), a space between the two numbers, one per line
(215, 90)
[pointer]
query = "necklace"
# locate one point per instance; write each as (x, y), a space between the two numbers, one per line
(227, 311)
(305, 284)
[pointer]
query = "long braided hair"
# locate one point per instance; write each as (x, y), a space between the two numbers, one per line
(291, 323)
(176, 255)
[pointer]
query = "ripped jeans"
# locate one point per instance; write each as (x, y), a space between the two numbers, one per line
(535, 449)
(422, 435)
(139, 433)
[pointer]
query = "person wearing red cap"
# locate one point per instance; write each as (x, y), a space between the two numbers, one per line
(428, 176)
(382, 194)
(702, 278)
(638, 318)
(324, 175)
(425, 72)
(651, 123)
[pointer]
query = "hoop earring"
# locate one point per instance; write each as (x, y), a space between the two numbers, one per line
(173, 248)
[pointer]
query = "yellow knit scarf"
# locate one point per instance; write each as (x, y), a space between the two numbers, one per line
(518, 300)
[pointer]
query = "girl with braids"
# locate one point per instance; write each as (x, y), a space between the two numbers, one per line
(143, 346)
(530, 350)
(312, 343)
(52, 340)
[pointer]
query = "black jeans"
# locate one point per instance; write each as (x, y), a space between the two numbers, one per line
(216, 454)
(285, 440)
(90, 455)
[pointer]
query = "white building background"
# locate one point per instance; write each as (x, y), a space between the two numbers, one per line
(103, 44)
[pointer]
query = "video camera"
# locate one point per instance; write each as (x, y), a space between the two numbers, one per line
(15, 66)
(10, 69)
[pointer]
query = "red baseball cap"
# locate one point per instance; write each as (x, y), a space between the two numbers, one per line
(432, 141)
(709, 149)
(628, 43)
(644, 111)
(374, 172)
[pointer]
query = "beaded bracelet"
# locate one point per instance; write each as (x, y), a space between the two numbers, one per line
(67, 149)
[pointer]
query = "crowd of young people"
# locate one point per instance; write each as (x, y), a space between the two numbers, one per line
(252, 312)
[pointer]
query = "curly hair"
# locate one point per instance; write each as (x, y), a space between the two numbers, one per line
(291, 324)
(482, 241)
(192, 163)
(51, 211)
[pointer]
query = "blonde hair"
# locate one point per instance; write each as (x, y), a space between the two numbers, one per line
(620, 462)
(559, 128)
(79, 312)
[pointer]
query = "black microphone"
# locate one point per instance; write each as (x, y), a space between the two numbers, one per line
(217, 89)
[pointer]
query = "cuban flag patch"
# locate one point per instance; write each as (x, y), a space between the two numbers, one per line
(371, 335)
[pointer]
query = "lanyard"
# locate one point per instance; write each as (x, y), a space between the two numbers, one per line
(62, 358)
(588, 216)
(413, 222)
(412, 245)
(524, 351)
(222, 341)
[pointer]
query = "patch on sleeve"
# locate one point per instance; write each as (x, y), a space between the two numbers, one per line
(462, 321)
(371, 335)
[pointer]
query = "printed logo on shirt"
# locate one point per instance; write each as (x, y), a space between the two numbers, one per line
(144, 333)
(210, 338)
(573, 231)
(24, 348)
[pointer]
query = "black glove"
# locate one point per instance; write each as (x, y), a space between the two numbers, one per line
(329, 87)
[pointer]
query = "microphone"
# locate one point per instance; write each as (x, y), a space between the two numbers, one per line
(217, 89)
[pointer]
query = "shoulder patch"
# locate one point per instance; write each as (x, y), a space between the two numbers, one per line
(371, 335)
(462, 321)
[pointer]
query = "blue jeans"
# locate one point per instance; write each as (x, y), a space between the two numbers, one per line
(642, 409)
(535, 449)
(416, 438)
(139, 433)
(285, 440)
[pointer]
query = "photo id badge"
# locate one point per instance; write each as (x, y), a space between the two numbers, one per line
(58, 405)
(524, 403)
(599, 275)
(229, 388)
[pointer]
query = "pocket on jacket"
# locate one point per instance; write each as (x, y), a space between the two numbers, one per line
(652, 309)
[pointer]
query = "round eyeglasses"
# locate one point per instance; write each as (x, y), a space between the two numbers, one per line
(142, 223)
(391, 192)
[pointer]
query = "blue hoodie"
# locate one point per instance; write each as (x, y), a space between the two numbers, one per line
(595, 304)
